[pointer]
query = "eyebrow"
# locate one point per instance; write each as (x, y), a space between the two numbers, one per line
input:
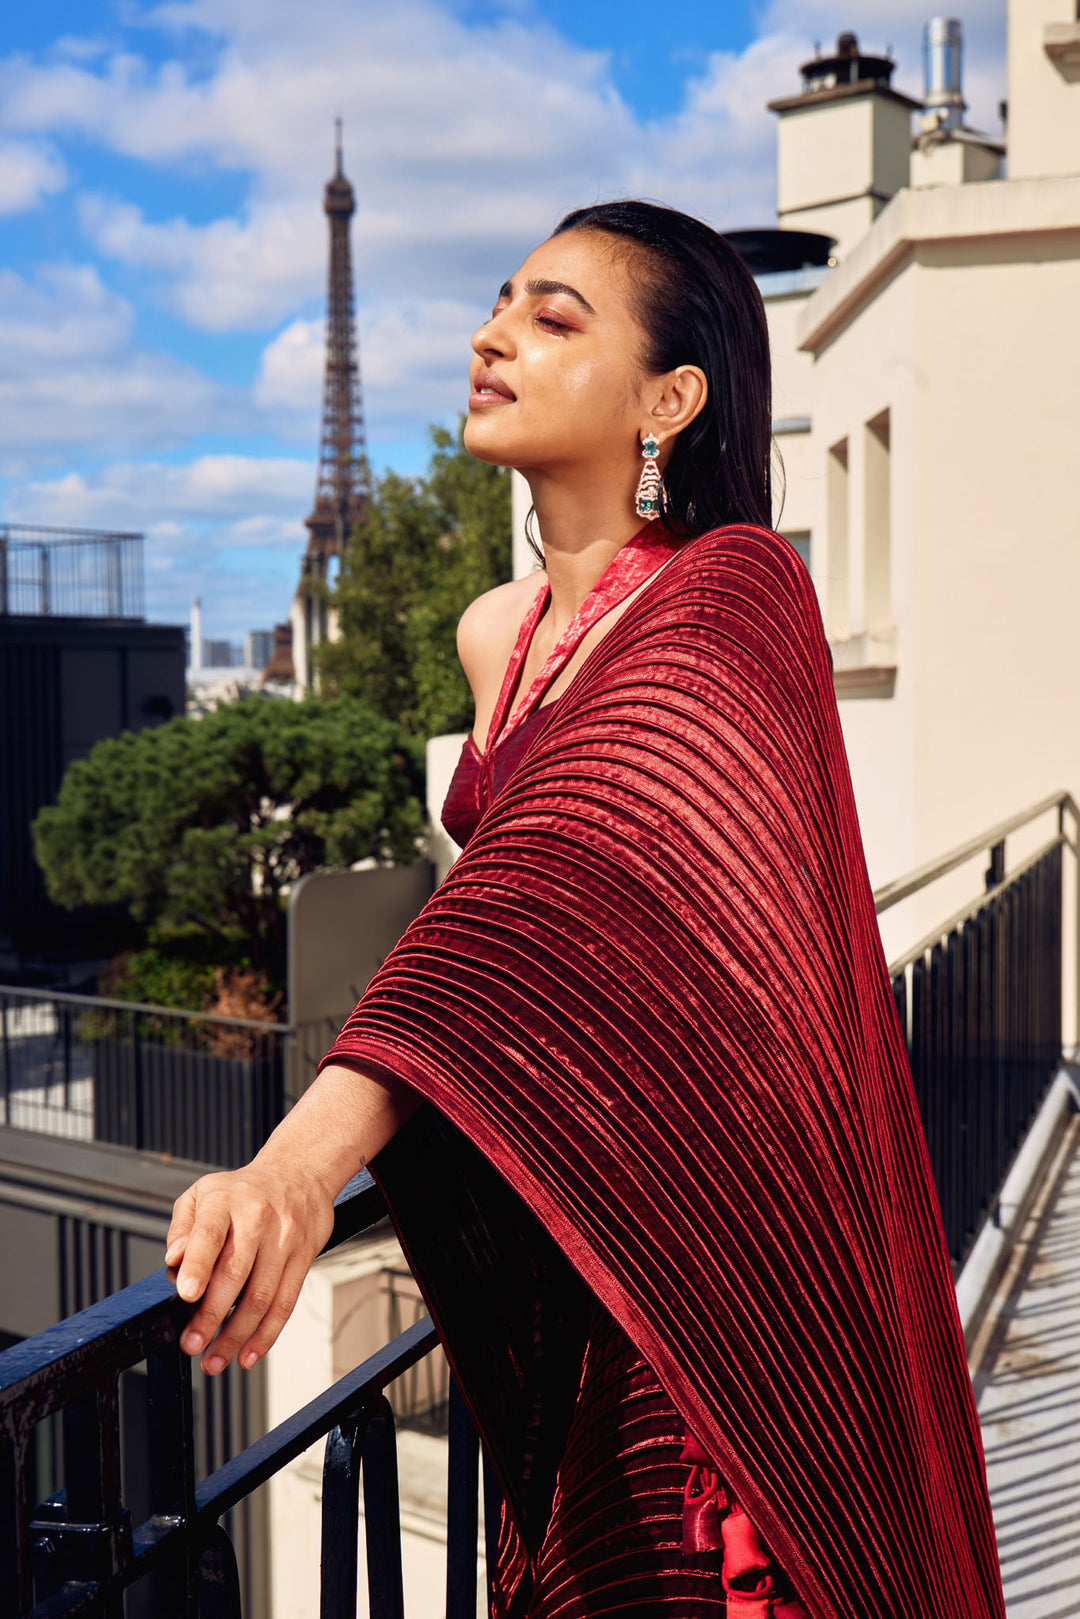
(547, 289)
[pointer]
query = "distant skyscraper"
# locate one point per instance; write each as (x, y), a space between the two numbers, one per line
(220, 655)
(258, 645)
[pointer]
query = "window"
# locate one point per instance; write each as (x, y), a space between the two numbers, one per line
(877, 604)
(799, 540)
(837, 606)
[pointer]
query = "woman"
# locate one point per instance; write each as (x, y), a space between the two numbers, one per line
(633, 1081)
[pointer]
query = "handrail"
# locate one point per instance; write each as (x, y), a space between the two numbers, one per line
(357, 1207)
(902, 887)
(100, 1003)
(966, 912)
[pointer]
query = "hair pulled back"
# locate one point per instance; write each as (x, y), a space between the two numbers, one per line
(698, 304)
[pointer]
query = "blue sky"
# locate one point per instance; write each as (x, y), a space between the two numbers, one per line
(162, 245)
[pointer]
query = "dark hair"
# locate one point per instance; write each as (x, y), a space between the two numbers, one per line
(698, 304)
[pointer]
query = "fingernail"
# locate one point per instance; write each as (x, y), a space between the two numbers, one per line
(192, 1343)
(174, 1255)
(248, 1359)
(213, 1365)
(188, 1288)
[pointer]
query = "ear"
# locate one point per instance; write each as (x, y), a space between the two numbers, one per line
(678, 398)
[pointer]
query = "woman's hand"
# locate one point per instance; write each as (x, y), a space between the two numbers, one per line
(245, 1238)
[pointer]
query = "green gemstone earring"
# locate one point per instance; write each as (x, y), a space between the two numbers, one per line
(650, 485)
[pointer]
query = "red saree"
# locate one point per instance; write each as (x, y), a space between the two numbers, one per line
(650, 1008)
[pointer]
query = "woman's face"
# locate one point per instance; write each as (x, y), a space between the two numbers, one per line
(556, 375)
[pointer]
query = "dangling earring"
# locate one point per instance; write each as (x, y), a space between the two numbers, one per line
(650, 485)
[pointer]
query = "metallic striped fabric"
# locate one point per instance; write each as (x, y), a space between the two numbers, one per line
(634, 1525)
(650, 1011)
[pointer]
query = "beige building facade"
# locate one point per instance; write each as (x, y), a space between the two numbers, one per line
(937, 369)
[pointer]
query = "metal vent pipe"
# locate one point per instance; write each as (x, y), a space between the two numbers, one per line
(942, 71)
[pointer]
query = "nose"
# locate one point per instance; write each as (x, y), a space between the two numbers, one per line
(493, 339)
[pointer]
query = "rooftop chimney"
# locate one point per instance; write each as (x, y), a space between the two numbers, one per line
(843, 145)
(942, 53)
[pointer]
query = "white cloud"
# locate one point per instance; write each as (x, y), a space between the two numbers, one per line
(142, 494)
(71, 378)
(230, 274)
(226, 527)
(465, 145)
(291, 368)
(465, 142)
(414, 357)
(64, 314)
(28, 173)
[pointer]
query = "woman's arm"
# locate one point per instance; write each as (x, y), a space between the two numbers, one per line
(248, 1236)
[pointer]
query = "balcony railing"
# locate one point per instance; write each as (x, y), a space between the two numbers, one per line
(196, 1086)
(980, 999)
(189, 1084)
(980, 1002)
(70, 573)
(79, 1551)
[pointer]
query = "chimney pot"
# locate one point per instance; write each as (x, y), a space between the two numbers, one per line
(943, 97)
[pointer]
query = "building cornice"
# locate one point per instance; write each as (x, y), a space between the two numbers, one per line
(843, 92)
(1061, 42)
(978, 210)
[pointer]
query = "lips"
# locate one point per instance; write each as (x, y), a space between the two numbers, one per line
(487, 388)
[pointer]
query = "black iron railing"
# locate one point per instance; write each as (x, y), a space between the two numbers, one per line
(980, 1000)
(190, 1084)
(79, 1552)
(70, 573)
(980, 1003)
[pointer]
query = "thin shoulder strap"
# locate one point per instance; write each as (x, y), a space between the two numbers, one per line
(517, 657)
(631, 566)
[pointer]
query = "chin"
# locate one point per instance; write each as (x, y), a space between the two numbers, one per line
(484, 441)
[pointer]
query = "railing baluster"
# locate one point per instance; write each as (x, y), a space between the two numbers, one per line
(463, 1510)
(15, 1574)
(382, 1517)
(217, 1579)
(340, 1523)
(5, 1062)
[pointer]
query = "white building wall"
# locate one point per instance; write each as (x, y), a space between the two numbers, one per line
(1044, 88)
(864, 371)
(958, 314)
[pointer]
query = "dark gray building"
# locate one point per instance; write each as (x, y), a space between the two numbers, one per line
(78, 662)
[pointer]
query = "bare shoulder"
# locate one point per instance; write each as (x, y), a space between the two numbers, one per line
(489, 627)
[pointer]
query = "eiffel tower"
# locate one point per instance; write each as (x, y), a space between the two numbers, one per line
(341, 487)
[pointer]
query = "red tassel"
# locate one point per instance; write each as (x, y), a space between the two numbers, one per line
(747, 1562)
(744, 1607)
(704, 1500)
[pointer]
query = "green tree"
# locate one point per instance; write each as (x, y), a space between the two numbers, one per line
(200, 825)
(427, 547)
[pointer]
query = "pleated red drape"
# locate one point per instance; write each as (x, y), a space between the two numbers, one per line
(650, 1008)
